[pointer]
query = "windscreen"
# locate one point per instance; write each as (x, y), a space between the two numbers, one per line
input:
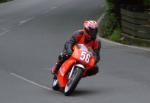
(83, 47)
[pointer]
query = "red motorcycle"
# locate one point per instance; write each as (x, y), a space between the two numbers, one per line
(73, 69)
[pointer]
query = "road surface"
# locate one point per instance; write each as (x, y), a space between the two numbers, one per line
(32, 34)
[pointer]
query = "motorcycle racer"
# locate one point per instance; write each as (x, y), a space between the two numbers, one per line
(87, 36)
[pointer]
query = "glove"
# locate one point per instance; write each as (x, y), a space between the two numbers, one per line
(69, 52)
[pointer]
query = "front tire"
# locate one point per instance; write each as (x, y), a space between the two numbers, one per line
(72, 81)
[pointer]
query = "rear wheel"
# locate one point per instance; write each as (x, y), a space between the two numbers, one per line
(73, 80)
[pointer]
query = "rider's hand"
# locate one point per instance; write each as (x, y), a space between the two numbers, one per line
(69, 52)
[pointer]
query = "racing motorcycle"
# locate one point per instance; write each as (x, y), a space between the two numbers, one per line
(73, 69)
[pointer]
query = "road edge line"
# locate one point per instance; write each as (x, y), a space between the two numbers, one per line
(29, 81)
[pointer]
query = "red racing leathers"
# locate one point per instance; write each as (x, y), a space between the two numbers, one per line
(80, 37)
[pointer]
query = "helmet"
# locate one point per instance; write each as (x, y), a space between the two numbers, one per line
(91, 27)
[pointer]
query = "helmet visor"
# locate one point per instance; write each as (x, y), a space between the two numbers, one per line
(92, 31)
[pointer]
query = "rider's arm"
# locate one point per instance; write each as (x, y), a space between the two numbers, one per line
(72, 41)
(97, 51)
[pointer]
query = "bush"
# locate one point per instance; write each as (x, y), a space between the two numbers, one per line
(110, 6)
(147, 3)
(1, 1)
(108, 24)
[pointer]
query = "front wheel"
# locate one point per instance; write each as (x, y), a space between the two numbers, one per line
(73, 79)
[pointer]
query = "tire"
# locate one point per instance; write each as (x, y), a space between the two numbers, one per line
(55, 85)
(72, 82)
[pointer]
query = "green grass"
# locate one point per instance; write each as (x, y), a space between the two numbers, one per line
(116, 35)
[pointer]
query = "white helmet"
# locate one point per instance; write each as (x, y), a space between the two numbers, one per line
(91, 27)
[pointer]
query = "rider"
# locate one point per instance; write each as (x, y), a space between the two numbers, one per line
(87, 36)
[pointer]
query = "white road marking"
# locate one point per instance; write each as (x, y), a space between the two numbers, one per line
(109, 41)
(25, 21)
(101, 17)
(29, 81)
(4, 31)
(52, 8)
(129, 46)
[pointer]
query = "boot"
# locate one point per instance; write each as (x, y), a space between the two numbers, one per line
(55, 68)
(61, 58)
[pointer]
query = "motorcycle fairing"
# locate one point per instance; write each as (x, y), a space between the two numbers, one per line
(63, 71)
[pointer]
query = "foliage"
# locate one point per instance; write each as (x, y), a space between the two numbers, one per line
(116, 35)
(147, 3)
(110, 27)
(110, 6)
(108, 24)
(2, 1)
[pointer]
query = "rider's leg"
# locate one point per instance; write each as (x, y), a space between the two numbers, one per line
(92, 71)
(61, 58)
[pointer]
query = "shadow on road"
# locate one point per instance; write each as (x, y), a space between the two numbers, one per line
(90, 92)
(85, 92)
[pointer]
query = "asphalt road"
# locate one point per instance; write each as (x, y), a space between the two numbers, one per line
(32, 34)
